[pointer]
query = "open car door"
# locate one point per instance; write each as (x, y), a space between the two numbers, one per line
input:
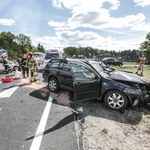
(86, 83)
(87, 89)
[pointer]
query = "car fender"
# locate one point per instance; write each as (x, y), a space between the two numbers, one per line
(108, 85)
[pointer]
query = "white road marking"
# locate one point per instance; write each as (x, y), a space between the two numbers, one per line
(8, 92)
(1, 109)
(40, 130)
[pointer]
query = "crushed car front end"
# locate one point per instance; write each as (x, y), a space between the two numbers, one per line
(141, 95)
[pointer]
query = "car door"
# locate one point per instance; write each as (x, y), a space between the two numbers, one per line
(86, 84)
(65, 76)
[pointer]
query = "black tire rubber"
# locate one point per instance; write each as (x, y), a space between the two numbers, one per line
(109, 97)
(54, 84)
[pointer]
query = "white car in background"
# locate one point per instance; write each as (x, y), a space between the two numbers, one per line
(13, 66)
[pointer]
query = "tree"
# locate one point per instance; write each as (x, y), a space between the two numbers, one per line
(40, 48)
(7, 40)
(145, 46)
(70, 51)
(24, 43)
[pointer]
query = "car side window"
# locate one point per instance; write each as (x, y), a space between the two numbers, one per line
(66, 67)
(82, 72)
(54, 64)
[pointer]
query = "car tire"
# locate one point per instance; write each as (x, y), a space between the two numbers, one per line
(116, 100)
(53, 85)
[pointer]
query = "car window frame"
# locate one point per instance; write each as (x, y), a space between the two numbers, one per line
(62, 64)
(88, 67)
(49, 64)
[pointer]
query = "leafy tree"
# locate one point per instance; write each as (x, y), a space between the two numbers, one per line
(145, 46)
(70, 51)
(7, 40)
(40, 48)
(24, 43)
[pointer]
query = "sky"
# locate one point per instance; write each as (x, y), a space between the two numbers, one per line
(103, 24)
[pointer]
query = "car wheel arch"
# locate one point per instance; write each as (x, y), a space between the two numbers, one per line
(52, 76)
(129, 101)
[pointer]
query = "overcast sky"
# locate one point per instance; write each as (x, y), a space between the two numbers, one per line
(102, 24)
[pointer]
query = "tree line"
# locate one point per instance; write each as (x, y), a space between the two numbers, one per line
(89, 52)
(16, 45)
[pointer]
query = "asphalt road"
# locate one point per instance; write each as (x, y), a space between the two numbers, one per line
(32, 118)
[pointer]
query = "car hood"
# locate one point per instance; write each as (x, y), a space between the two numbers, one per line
(126, 76)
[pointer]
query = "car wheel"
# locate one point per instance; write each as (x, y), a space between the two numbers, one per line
(115, 100)
(53, 85)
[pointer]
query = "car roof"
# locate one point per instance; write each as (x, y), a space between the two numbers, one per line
(83, 61)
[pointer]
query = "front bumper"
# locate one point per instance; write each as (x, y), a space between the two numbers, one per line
(137, 96)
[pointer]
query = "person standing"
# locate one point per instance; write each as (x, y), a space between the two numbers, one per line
(32, 67)
(141, 65)
(24, 66)
(5, 64)
(19, 64)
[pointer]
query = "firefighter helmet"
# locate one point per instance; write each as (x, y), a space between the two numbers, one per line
(24, 56)
(30, 54)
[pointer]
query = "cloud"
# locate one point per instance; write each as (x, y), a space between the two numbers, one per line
(56, 24)
(92, 39)
(48, 42)
(7, 22)
(142, 2)
(102, 20)
(77, 38)
(91, 14)
(85, 5)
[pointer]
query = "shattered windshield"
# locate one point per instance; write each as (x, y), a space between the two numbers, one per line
(99, 69)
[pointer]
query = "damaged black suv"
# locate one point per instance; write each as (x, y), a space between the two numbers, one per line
(88, 82)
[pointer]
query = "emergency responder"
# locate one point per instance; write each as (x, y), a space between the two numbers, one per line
(32, 67)
(5, 64)
(19, 63)
(24, 66)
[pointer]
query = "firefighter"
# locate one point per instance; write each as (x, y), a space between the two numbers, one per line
(32, 67)
(19, 63)
(24, 66)
(5, 64)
